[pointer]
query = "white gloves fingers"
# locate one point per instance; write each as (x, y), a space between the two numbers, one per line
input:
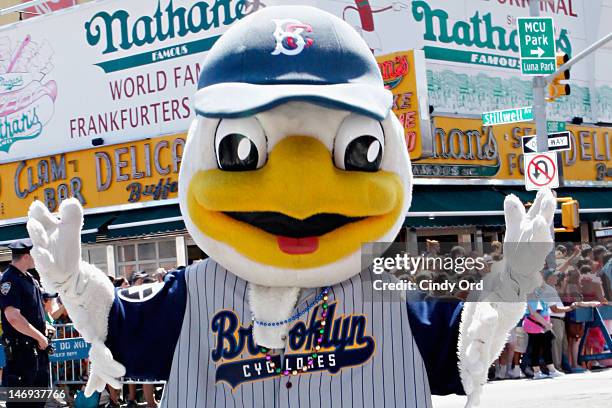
(69, 229)
(57, 243)
(514, 213)
(104, 369)
(40, 213)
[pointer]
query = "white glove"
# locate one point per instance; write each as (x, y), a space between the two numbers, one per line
(86, 291)
(485, 324)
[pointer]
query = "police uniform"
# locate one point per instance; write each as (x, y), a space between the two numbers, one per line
(26, 365)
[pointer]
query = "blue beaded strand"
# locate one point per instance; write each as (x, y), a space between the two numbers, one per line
(295, 316)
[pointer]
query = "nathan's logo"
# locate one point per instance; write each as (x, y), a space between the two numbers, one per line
(164, 23)
(462, 146)
(27, 101)
(345, 344)
(119, 30)
(393, 71)
(479, 31)
(289, 37)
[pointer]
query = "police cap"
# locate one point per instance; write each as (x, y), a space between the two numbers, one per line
(21, 246)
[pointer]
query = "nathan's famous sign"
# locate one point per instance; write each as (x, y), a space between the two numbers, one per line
(137, 69)
(463, 148)
(126, 173)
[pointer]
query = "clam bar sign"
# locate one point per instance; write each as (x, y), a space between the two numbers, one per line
(126, 173)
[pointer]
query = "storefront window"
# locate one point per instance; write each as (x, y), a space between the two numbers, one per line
(167, 249)
(127, 253)
(147, 256)
(95, 255)
(147, 251)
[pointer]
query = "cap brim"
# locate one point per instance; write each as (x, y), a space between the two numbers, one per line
(236, 99)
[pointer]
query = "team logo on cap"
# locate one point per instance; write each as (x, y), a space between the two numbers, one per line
(289, 36)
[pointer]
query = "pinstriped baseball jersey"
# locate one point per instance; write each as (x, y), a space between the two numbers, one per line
(369, 357)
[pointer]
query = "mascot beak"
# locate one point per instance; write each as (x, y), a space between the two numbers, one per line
(298, 210)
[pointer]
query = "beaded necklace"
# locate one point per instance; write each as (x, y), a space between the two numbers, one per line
(279, 370)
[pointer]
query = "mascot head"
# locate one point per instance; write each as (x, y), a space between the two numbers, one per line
(295, 158)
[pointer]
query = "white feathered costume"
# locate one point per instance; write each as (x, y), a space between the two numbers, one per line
(293, 161)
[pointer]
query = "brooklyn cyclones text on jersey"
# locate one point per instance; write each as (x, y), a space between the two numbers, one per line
(195, 331)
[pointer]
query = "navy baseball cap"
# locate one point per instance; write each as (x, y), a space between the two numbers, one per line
(285, 53)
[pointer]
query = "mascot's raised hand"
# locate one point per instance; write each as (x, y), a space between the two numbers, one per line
(487, 320)
(84, 289)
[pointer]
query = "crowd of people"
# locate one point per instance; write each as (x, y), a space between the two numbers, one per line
(545, 343)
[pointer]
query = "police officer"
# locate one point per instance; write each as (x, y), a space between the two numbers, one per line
(23, 322)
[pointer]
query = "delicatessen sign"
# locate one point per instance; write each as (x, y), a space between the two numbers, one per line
(126, 173)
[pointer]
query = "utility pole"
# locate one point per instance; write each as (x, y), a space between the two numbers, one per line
(539, 95)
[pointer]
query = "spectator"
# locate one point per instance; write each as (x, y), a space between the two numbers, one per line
(121, 282)
(563, 264)
(561, 252)
(592, 291)
(586, 252)
(496, 250)
(557, 315)
(606, 275)
(598, 254)
(536, 323)
(572, 294)
(432, 248)
(591, 287)
(160, 274)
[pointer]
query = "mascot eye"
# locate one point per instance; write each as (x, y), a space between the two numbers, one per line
(359, 144)
(240, 144)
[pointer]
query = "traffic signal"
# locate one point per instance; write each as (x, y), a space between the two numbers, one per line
(570, 217)
(556, 88)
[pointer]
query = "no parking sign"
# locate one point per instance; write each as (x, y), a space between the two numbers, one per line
(541, 171)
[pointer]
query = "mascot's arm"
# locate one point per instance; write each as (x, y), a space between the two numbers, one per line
(435, 328)
(144, 325)
(485, 323)
(87, 293)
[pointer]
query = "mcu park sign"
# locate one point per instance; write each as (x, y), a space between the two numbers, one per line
(537, 45)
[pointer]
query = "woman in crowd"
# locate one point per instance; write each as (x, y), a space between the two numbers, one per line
(537, 325)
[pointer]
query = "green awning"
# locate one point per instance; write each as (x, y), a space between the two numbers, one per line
(428, 198)
(145, 221)
(595, 203)
(92, 224)
(454, 222)
(436, 206)
(455, 206)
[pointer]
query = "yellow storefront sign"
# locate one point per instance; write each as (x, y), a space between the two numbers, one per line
(463, 148)
(404, 75)
(127, 173)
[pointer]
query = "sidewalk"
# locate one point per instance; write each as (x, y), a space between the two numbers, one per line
(588, 390)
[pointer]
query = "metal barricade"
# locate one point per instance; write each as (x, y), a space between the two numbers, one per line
(68, 364)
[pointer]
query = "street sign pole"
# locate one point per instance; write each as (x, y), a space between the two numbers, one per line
(539, 95)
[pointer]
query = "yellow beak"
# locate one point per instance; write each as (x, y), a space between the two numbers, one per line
(299, 180)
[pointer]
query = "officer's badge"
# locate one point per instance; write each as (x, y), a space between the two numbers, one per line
(4, 289)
